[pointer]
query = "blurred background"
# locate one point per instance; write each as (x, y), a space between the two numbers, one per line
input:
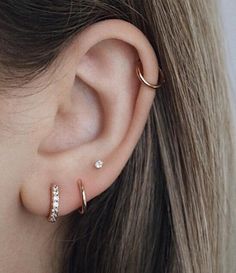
(228, 10)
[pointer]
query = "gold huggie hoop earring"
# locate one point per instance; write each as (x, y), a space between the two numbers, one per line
(83, 197)
(54, 206)
(161, 79)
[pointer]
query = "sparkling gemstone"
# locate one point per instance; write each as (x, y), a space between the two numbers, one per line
(56, 198)
(99, 164)
(55, 204)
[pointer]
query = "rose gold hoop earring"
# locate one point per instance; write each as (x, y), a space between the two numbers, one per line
(83, 197)
(161, 79)
(54, 204)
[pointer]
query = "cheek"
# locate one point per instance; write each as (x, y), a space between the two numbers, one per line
(23, 124)
(25, 121)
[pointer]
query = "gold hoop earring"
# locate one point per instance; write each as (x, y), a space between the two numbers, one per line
(54, 204)
(161, 78)
(83, 197)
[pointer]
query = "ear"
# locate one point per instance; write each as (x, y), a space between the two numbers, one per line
(100, 112)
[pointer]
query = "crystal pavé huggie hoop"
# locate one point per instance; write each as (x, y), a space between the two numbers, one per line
(161, 78)
(54, 203)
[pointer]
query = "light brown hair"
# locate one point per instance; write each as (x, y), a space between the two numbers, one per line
(163, 212)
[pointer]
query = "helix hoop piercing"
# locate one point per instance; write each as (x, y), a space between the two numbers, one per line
(99, 164)
(54, 204)
(161, 78)
(83, 208)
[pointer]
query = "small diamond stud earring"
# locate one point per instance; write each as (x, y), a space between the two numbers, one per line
(99, 164)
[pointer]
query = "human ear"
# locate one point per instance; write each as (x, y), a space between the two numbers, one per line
(99, 113)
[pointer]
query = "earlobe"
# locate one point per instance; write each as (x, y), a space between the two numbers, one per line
(108, 101)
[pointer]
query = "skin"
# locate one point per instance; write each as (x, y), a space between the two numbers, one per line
(92, 107)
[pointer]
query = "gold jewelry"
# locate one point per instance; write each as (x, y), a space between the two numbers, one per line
(54, 206)
(161, 78)
(83, 197)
